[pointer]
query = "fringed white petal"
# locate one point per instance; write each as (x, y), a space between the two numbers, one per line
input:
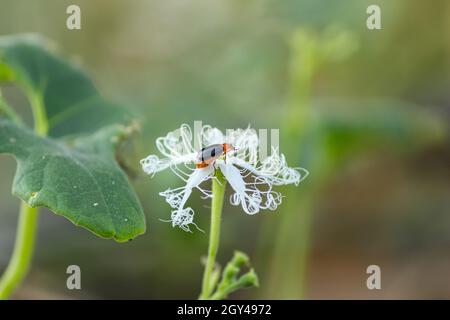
(253, 191)
(153, 164)
(246, 141)
(176, 143)
(274, 169)
(178, 197)
(251, 178)
(183, 218)
(250, 202)
(210, 135)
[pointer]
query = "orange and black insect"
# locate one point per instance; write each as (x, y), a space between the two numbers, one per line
(211, 153)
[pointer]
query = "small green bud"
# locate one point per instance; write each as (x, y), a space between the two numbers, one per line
(230, 272)
(249, 279)
(240, 259)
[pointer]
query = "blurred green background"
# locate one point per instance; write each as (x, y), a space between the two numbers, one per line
(366, 112)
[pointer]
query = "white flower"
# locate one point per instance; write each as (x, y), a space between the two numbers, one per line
(250, 177)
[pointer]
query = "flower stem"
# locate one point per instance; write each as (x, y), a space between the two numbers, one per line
(23, 250)
(218, 192)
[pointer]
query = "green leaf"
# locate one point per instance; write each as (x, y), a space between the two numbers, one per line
(74, 172)
(81, 182)
(72, 103)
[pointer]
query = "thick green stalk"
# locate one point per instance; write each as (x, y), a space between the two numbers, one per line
(27, 225)
(218, 192)
(291, 247)
(23, 251)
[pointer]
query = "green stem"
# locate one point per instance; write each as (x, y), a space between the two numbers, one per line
(291, 251)
(291, 248)
(26, 229)
(23, 251)
(39, 114)
(4, 107)
(218, 192)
